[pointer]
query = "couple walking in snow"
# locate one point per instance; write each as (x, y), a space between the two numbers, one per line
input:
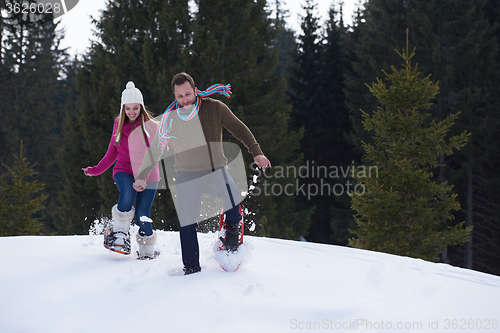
(192, 127)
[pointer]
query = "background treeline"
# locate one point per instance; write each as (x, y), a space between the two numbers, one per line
(300, 92)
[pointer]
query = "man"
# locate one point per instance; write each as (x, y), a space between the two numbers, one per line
(192, 125)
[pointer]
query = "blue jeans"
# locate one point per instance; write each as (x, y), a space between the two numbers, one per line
(143, 200)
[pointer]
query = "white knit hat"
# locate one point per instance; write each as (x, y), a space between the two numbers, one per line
(131, 95)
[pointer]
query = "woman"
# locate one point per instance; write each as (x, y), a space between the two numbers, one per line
(132, 131)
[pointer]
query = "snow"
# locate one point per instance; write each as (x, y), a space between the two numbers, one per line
(72, 284)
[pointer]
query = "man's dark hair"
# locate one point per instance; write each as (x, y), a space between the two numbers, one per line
(181, 78)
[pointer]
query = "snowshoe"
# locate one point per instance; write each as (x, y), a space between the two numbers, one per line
(116, 241)
(227, 247)
(231, 237)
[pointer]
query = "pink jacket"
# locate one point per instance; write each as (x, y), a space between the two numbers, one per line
(129, 154)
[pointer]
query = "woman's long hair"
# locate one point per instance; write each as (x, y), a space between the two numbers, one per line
(144, 115)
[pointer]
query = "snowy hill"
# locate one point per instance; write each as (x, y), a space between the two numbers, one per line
(72, 284)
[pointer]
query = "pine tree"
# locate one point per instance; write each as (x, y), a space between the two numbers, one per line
(32, 64)
(474, 88)
(302, 88)
(316, 91)
(284, 41)
(458, 43)
(305, 71)
(334, 148)
(403, 207)
(19, 199)
(71, 218)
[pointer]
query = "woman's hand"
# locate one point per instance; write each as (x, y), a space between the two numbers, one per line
(86, 172)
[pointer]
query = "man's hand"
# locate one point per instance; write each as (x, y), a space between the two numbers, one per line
(139, 185)
(262, 162)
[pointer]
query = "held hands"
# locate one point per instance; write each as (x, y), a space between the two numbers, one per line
(139, 185)
(262, 162)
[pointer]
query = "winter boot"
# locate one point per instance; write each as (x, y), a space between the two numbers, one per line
(189, 271)
(147, 247)
(232, 240)
(117, 235)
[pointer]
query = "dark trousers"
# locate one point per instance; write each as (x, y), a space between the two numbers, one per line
(190, 188)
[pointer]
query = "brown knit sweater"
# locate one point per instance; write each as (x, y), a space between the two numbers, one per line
(198, 142)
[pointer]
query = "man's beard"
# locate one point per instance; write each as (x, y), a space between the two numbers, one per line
(192, 102)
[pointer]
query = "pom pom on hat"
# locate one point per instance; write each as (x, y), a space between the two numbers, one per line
(131, 95)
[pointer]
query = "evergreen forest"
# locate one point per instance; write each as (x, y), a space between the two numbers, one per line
(382, 133)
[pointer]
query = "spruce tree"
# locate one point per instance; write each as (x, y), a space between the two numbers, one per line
(316, 91)
(284, 41)
(334, 148)
(20, 199)
(473, 70)
(32, 65)
(304, 74)
(402, 207)
(457, 42)
(484, 250)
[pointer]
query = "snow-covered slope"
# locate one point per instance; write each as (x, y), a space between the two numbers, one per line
(72, 284)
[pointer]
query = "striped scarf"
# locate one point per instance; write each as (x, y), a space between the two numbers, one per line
(166, 126)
